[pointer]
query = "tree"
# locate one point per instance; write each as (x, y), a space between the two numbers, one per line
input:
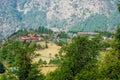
(46, 44)
(117, 41)
(75, 57)
(90, 72)
(111, 70)
(19, 61)
(26, 69)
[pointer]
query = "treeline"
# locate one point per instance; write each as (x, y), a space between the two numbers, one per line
(43, 30)
(105, 33)
(19, 33)
(25, 32)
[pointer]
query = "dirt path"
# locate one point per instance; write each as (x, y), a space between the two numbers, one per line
(47, 69)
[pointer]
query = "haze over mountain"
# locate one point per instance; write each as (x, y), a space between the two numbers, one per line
(75, 15)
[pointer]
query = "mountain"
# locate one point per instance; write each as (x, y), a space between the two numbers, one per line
(74, 15)
(1, 37)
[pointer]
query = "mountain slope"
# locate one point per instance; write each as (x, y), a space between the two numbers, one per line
(78, 15)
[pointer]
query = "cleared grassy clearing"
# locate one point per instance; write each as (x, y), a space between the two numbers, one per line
(47, 53)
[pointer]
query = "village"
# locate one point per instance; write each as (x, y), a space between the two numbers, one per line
(48, 45)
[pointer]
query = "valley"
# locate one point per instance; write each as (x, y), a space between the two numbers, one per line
(59, 40)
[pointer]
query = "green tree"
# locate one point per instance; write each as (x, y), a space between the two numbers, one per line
(90, 72)
(19, 61)
(117, 41)
(3, 77)
(27, 70)
(75, 57)
(111, 68)
(46, 44)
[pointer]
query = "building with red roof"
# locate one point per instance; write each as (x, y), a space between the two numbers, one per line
(29, 38)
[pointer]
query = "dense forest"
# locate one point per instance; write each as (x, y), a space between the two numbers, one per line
(82, 59)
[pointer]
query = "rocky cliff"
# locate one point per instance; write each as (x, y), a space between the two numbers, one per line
(76, 15)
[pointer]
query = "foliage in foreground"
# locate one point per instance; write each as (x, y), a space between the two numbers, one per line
(18, 58)
(77, 55)
(81, 60)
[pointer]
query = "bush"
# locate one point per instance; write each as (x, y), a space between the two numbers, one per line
(54, 61)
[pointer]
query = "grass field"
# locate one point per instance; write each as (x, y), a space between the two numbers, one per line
(46, 55)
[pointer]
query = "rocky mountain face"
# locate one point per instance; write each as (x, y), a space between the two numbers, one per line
(75, 15)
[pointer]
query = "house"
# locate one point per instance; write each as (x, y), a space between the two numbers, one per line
(36, 38)
(44, 35)
(90, 34)
(87, 33)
